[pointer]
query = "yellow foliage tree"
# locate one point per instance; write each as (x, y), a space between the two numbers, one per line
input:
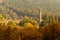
(28, 25)
(26, 17)
(34, 22)
(12, 24)
(1, 18)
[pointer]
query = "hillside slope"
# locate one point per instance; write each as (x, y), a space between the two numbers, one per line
(15, 8)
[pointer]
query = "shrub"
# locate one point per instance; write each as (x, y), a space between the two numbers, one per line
(12, 23)
(36, 26)
(42, 23)
(12, 33)
(24, 20)
(2, 31)
(51, 31)
(1, 17)
(21, 23)
(33, 22)
(36, 19)
(28, 25)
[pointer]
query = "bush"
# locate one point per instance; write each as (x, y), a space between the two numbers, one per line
(42, 23)
(48, 32)
(21, 23)
(28, 20)
(36, 26)
(12, 33)
(12, 23)
(31, 34)
(24, 20)
(33, 22)
(2, 31)
(28, 25)
(36, 19)
(1, 17)
(51, 31)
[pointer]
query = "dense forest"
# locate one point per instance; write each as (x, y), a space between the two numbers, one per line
(20, 20)
(15, 9)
